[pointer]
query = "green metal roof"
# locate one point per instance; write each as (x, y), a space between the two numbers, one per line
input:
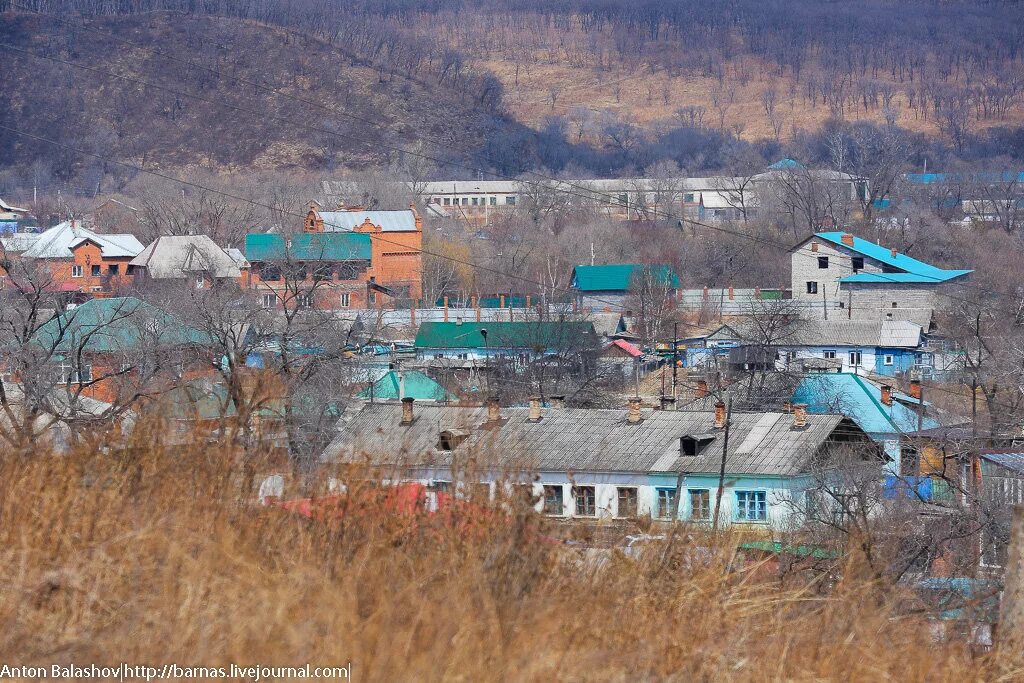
(320, 246)
(115, 324)
(617, 277)
(417, 386)
(504, 335)
(817, 552)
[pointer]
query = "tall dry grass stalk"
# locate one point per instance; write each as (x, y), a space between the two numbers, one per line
(154, 554)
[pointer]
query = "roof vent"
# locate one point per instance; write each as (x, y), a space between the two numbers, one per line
(633, 415)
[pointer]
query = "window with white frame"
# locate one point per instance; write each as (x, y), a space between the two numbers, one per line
(269, 300)
(830, 354)
(200, 281)
(553, 499)
(666, 503)
(77, 271)
(855, 358)
(346, 299)
(700, 504)
(305, 300)
(751, 506)
(586, 501)
(72, 373)
(627, 502)
(888, 359)
(812, 287)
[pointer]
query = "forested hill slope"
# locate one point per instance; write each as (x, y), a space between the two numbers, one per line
(372, 110)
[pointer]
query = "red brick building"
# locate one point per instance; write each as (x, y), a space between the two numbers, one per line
(349, 258)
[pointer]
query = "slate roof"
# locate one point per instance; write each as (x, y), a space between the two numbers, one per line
(505, 335)
(883, 334)
(617, 277)
(173, 256)
(582, 440)
(912, 270)
(417, 386)
(113, 325)
(58, 241)
(1011, 460)
(323, 246)
(4, 206)
(388, 221)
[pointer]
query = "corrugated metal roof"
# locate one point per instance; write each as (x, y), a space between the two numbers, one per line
(860, 400)
(387, 221)
(581, 440)
(618, 277)
(394, 385)
(58, 241)
(321, 246)
(1011, 461)
(504, 335)
(174, 256)
(901, 261)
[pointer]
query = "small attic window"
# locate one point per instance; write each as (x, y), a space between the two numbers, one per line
(692, 445)
(449, 439)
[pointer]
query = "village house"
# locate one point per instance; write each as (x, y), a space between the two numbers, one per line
(111, 346)
(349, 258)
(193, 259)
(839, 275)
(594, 464)
(77, 260)
(518, 342)
(10, 217)
(617, 286)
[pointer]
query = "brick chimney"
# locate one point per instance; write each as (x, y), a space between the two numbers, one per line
(800, 416)
(702, 388)
(407, 416)
(720, 415)
(558, 402)
(886, 395)
(634, 416)
(814, 246)
(915, 388)
(668, 403)
(893, 252)
(847, 239)
(535, 415)
(416, 217)
(493, 408)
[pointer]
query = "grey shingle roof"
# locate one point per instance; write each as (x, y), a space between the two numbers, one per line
(173, 256)
(582, 440)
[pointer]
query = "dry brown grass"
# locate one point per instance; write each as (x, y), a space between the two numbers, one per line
(156, 556)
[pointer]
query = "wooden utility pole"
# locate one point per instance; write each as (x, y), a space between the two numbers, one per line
(1011, 612)
(721, 469)
(675, 357)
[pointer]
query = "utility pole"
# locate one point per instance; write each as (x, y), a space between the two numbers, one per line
(974, 378)
(721, 469)
(675, 357)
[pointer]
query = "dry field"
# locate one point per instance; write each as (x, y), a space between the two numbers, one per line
(151, 555)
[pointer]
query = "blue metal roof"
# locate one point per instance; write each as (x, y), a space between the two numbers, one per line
(860, 400)
(1011, 461)
(983, 177)
(902, 278)
(910, 266)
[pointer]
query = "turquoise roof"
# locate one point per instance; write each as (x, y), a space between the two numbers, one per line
(617, 277)
(860, 400)
(506, 335)
(785, 164)
(115, 324)
(417, 386)
(912, 269)
(317, 246)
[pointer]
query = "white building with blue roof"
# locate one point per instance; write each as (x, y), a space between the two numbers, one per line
(837, 275)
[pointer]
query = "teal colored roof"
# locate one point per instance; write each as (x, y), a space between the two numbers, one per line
(860, 400)
(617, 277)
(785, 164)
(777, 547)
(319, 246)
(417, 386)
(505, 335)
(913, 270)
(115, 324)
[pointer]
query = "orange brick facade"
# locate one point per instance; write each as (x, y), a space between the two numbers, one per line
(395, 265)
